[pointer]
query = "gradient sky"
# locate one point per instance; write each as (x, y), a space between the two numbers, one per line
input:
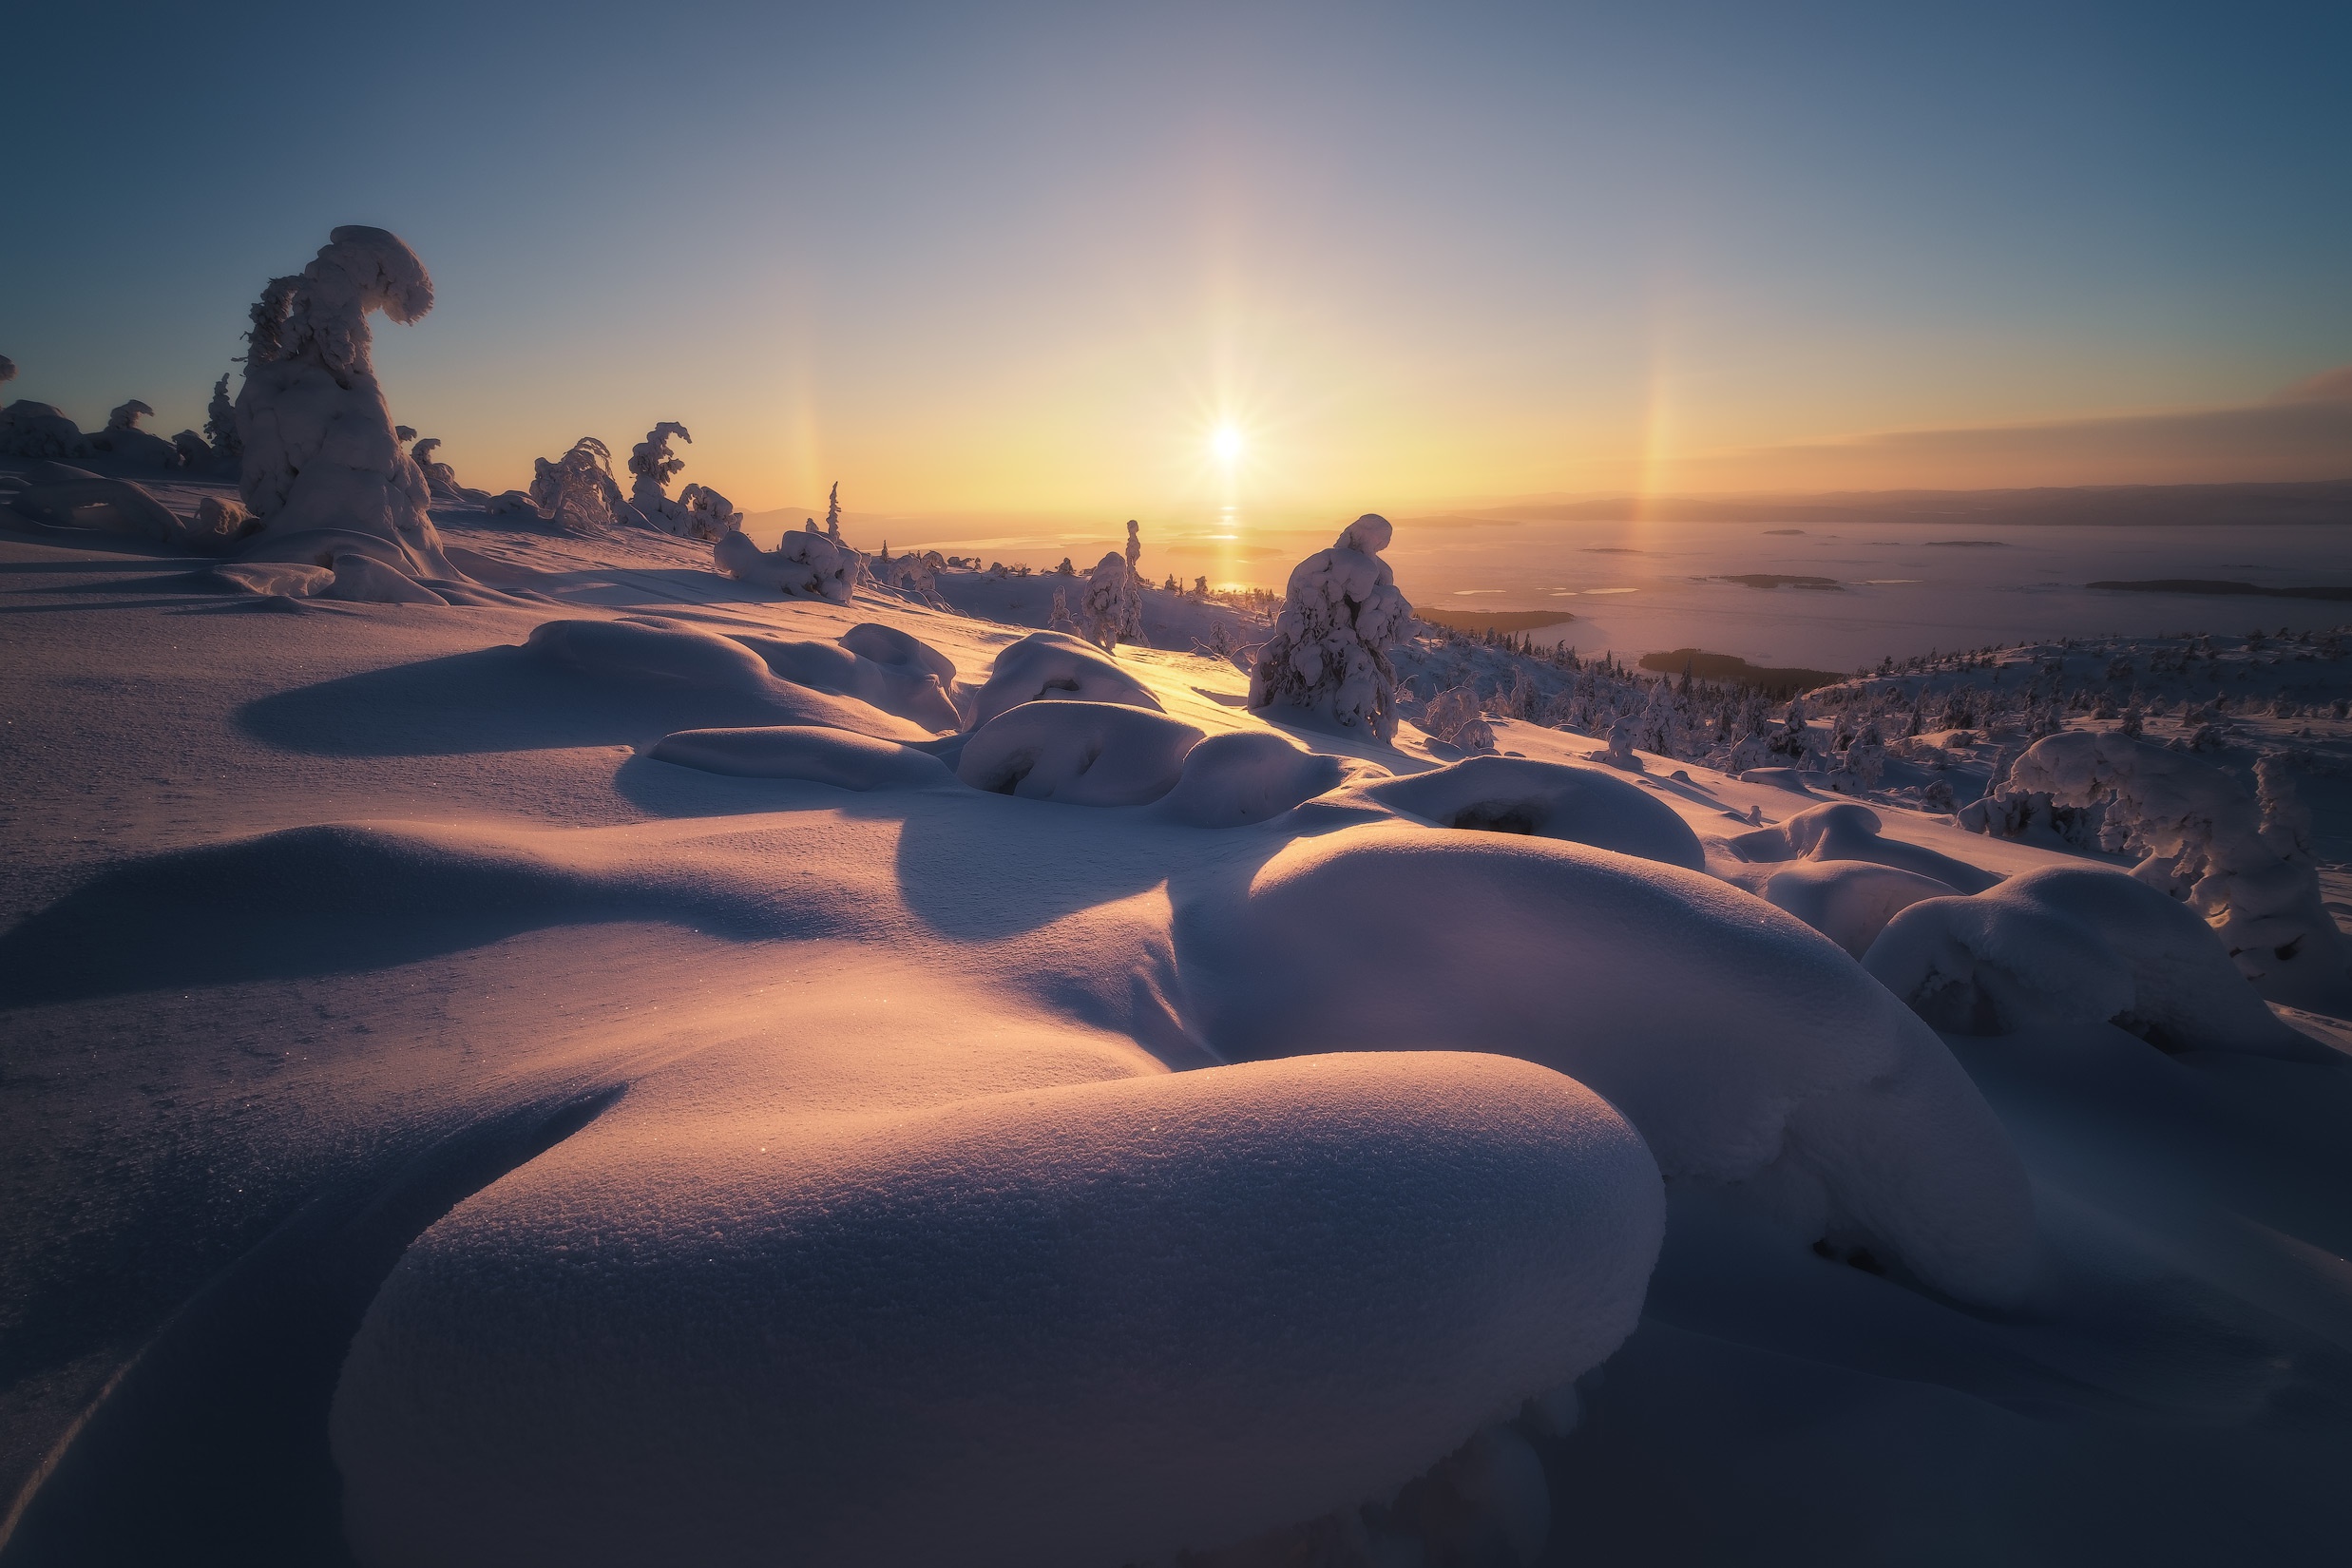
(1023, 260)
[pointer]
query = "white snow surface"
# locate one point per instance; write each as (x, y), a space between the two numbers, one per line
(1075, 1325)
(1081, 754)
(360, 955)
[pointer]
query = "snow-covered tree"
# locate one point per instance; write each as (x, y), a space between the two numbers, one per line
(804, 564)
(832, 513)
(1135, 548)
(317, 448)
(220, 421)
(577, 491)
(1328, 654)
(1059, 620)
(123, 441)
(654, 466)
(1112, 610)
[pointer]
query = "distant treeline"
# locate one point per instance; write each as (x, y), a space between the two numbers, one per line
(2140, 506)
(1726, 670)
(1492, 621)
(2220, 585)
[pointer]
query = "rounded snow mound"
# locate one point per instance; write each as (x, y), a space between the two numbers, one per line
(1231, 780)
(1081, 754)
(1842, 830)
(652, 650)
(1849, 901)
(1547, 800)
(1055, 664)
(819, 755)
(1081, 1325)
(2076, 945)
(1746, 1049)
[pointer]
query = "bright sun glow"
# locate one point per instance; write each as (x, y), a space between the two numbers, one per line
(1226, 443)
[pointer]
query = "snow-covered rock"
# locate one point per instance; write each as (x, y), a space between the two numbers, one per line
(1549, 800)
(805, 564)
(2070, 946)
(1078, 752)
(1849, 901)
(1055, 664)
(1234, 779)
(1328, 657)
(1078, 1325)
(1841, 831)
(1746, 1049)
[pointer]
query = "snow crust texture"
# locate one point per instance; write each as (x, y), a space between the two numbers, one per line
(1080, 1326)
(819, 755)
(1747, 1049)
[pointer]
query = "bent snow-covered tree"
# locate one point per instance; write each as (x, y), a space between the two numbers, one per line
(319, 454)
(698, 513)
(577, 491)
(1329, 655)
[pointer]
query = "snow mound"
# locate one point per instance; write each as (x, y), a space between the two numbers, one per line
(1081, 1325)
(1081, 754)
(651, 649)
(1849, 901)
(1745, 1047)
(1231, 780)
(106, 506)
(805, 564)
(1842, 830)
(911, 693)
(889, 645)
(2071, 946)
(1328, 657)
(806, 752)
(1055, 664)
(1548, 800)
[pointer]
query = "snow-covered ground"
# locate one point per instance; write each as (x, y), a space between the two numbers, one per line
(477, 1090)
(541, 1028)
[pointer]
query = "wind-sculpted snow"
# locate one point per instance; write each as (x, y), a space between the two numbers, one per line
(1841, 831)
(805, 564)
(1849, 901)
(1234, 779)
(804, 752)
(1549, 800)
(1080, 754)
(1084, 1326)
(2239, 861)
(1745, 1047)
(911, 693)
(320, 449)
(2074, 946)
(650, 649)
(1055, 664)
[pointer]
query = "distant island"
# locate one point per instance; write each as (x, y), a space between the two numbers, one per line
(1492, 621)
(1968, 543)
(1784, 531)
(1732, 671)
(2219, 586)
(1781, 580)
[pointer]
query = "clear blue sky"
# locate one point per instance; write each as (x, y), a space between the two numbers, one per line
(1012, 258)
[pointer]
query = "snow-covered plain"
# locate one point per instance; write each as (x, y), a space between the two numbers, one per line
(565, 1054)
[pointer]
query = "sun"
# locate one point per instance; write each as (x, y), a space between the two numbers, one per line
(1226, 441)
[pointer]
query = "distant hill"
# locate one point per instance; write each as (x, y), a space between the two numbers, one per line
(2103, 506)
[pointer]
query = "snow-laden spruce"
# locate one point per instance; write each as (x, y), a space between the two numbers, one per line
(1328, 659)
(321, 455)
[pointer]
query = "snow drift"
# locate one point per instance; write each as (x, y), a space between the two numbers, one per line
(1549, 800)
(2071, 946)
(1081, 1325)
(1746, 1049)
(1081, 754)
(1055, 664)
